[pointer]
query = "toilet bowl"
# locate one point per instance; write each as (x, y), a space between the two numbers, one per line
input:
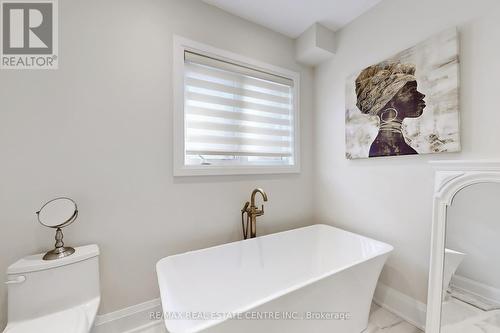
(56, 296)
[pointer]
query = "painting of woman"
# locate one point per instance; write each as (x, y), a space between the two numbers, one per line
(406, 104)
(389, 91)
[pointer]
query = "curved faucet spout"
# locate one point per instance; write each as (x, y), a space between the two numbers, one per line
(257, 190)
(252, 212)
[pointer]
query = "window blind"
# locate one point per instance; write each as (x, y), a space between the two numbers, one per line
(236, 114)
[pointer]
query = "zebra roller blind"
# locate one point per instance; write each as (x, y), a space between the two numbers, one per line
(237, 115)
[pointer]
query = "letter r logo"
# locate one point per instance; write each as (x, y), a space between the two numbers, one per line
(27, 27)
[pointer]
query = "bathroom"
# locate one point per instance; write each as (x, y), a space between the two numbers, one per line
(102, 128)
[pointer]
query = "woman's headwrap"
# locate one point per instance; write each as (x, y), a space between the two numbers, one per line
(378, 84)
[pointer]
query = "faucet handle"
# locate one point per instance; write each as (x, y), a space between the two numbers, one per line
(259, 212)
(18, 280)
(245, 208)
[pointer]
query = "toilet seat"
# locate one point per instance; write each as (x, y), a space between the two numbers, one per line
(75, 320)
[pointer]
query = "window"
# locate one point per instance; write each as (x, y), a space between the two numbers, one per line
(232, 115)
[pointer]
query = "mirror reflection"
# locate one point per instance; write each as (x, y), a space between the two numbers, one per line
(471, 279)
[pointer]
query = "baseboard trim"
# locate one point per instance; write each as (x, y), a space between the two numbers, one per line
(480, 289)
(402, 305)
(128, 320)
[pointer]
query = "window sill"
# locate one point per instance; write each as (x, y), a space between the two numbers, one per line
(233, 170)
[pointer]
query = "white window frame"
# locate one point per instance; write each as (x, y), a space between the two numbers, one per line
(181, 45)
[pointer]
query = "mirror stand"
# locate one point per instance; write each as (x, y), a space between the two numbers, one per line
(60, 250)
(57, 214)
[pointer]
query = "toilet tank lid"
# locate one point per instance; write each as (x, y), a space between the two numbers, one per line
(35, 262)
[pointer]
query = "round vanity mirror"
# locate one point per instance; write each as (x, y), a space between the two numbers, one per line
(58, 213)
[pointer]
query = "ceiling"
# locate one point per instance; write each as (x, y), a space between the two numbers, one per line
(292, 17)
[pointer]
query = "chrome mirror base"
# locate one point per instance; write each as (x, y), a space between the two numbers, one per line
(59, 253)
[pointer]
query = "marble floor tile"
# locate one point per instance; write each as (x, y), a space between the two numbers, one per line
(402, 327)
(383, 321)
(454, 311)
(488, 322)
(382, 318)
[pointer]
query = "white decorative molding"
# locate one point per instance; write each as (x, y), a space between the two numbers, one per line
(443, 178)
(451, 177)
(461, 165)
(402, 305)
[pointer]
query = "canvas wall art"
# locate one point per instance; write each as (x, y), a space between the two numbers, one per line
(407, 104)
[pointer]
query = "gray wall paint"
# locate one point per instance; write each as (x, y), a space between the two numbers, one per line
(99, 129)
(390, 198)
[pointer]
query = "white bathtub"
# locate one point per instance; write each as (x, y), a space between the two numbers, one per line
(313, 279)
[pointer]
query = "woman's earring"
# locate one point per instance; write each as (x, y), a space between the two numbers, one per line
(391, 112)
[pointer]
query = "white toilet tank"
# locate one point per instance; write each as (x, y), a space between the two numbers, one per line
(37, 288)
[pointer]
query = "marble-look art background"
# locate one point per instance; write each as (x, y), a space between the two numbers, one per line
(437, 130)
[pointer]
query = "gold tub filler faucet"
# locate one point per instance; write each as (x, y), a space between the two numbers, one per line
(252, 212)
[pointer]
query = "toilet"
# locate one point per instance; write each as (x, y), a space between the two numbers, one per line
(56, 296)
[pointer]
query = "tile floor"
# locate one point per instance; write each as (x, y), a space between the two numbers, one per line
(381, 321)
(460, 317)
(455, 311)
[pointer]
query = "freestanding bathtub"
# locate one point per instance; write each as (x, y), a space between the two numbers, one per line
(313, 279)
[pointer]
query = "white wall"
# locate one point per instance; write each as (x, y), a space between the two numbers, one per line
(390, 198)
(99, 130)
(473, 227)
